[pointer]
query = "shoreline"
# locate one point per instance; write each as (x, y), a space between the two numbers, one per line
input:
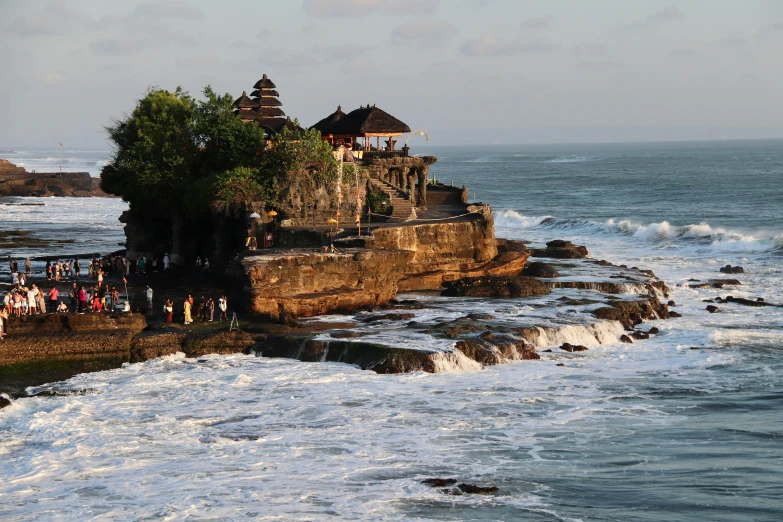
(475, 339)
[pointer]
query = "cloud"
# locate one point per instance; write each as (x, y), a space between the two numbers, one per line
(534, 24)
(489, 45)
(682, 53)
(167, 9)
(423, 33)
(733, 41)
(284, 57)
(666, 14)
(359, 8)
(54, 18)
(118, 45)
(589, 48)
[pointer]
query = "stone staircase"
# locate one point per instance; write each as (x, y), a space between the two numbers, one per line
(402, 207)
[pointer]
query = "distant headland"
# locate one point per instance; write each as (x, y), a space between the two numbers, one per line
(16, 181)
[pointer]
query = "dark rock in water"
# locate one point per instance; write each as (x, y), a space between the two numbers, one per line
(560, 364)
(539, 269)
(707, 301)
(288, 318)
(4, 402)
(480, 317)
(631, 313)
(388, 317)
(728, 269)
(548, 350)
(671, 303)
(712, 309)
(568, 347)
(559, 249)
(439, 482)
(496, 286)
(478, 490)
(675, 314)
(654, 331)
(747, 302)
(604, 262)
(625, 339)
(639, 335)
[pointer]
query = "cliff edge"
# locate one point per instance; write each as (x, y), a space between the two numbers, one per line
(16, 181)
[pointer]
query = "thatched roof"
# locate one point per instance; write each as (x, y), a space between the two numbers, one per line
(276, 125)
(268, 101)
(264, 92)
(367, 120)
(269, 112)
(264, 83)
(324, 125)
(243, 102)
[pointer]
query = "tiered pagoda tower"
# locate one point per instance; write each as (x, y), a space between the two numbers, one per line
(264, 108)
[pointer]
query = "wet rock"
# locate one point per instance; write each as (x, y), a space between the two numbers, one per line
(675, 314)
(288, 318)
(388, 317)
(604, 262)
(439, 482)
(568, 347)
(654, 331)
(631, 313)
(476, 490)
(560, 364)
(539, 269)
(548, 350)
(707, 301)
(559, 249)
(712, 309)
(717, 283)
(671, 303)
(640, 335)
(625, 339)
(747, 302)
(480, 317)
(496, 286)
(728, 269)
(4, 402)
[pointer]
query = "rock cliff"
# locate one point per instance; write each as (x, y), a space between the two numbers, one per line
(16, 181)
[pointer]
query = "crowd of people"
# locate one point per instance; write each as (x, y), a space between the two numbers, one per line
(205, 311)
(95, 295)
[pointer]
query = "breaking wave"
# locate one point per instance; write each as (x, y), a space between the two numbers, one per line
(703, 234)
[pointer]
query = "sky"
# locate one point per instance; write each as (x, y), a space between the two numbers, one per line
(465, 71)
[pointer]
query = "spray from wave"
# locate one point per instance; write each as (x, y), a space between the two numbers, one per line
(701, 234)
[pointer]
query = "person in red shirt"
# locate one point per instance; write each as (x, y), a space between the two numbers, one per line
(53, 296)
(82, 300)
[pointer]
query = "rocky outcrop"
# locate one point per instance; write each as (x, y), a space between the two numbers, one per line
(496, 286)
(728, 269)
(559, 249)
(540, 269)
(631, 313)
(16, 181)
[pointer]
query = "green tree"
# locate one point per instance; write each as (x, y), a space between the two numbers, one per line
(154, 151)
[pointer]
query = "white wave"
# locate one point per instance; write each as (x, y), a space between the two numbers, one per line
(569, 159)
(511, 218)
(603, 332)
(715, 238)
(454, 362)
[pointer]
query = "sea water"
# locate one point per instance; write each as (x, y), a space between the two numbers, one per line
(685, 426)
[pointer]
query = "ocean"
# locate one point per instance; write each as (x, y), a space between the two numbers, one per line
(685, 426)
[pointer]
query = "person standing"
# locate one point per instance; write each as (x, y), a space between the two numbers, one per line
(40, 301)
(165, 262)
(54, 294)
(76, 267)
(49, 270)
(149, 297)
(3, 318)
(188, 305)
(211, 309)
(168, 309)
(82, 299)
(223, 305)
(28, 267)
(100, 277)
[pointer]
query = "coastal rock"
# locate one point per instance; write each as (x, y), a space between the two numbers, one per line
(496, 286)
(476, 490)
(728, 269)
(631, 313)
(758, 302)
(439, 482)
(559, 249)
(16, 181)
(5, 402)
(625, 339)
(539, 269)
(712, 309)
(568, 347)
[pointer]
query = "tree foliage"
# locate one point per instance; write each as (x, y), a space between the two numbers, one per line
(177, 154)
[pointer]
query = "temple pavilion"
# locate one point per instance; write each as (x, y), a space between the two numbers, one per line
(364, 123)
(263, 108)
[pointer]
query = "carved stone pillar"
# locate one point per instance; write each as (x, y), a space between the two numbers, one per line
(412, 188)
(464, 195)
(422, 197)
